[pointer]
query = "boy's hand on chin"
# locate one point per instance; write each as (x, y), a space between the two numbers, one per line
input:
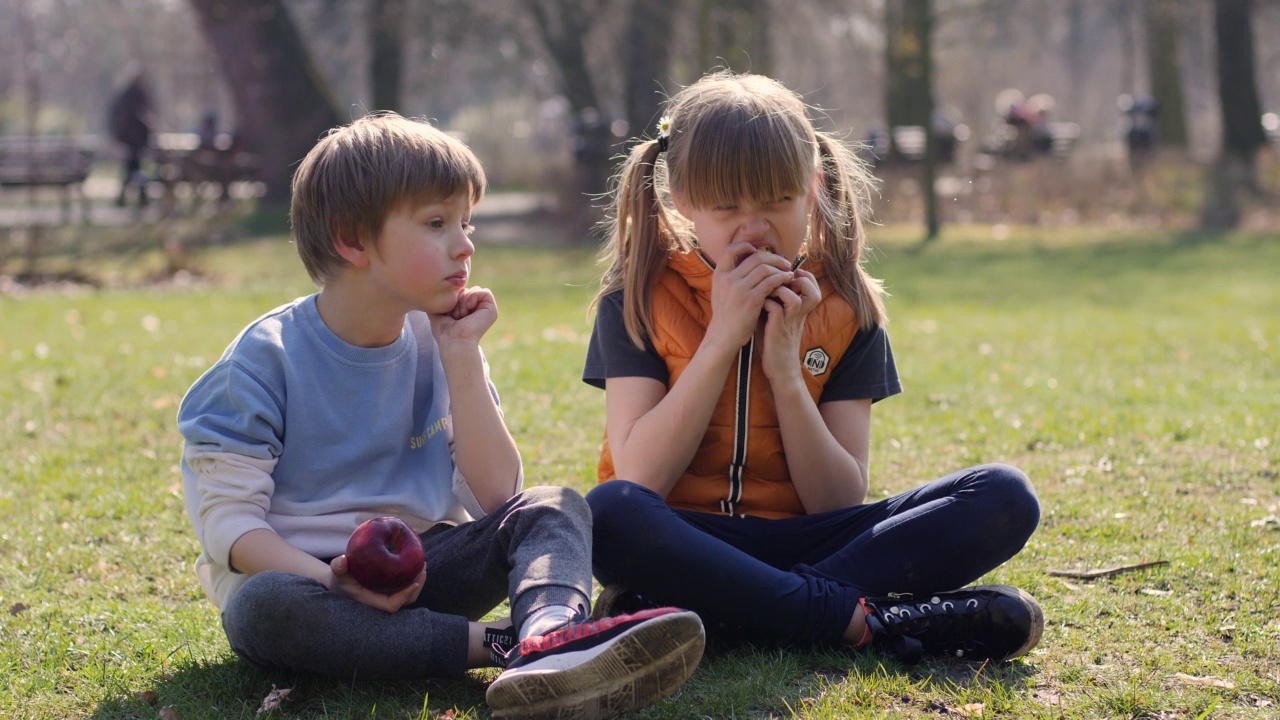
(471, 317)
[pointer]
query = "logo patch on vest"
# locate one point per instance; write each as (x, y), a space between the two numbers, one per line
(816, 361)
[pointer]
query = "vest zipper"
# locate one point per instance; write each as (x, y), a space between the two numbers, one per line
(741, 412)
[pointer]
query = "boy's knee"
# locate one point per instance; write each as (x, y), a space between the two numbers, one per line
(259, 604)
(273, 614)
(557, 499)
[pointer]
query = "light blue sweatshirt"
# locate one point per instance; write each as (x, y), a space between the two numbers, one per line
(296, 431)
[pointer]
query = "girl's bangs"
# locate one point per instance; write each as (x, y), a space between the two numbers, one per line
(754, 159)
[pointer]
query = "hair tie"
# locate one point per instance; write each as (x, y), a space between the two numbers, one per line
(664, 133)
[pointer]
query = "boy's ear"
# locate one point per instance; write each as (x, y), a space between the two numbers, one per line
(350, 248)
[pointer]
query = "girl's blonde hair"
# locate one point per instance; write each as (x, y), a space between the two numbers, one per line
(358, 174)
(732, 138)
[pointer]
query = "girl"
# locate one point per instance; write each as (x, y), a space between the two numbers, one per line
(741, 344)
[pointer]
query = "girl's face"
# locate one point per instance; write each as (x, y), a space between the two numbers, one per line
(780, 224)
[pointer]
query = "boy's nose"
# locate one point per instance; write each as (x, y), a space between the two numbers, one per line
(465, 247)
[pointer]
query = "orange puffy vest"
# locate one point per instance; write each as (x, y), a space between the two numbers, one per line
(740, 468)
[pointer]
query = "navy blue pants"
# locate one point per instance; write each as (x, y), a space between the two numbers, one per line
(799, 579)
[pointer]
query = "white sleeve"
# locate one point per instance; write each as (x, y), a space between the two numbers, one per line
(233, 494)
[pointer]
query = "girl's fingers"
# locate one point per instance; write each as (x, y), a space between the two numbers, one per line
(786, 296)
(806, 287)
(734, 255)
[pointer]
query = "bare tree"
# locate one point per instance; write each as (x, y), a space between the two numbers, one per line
(1163, 22)
(282, 105)
(648, 56)
(564, 26)
(906, 95)
(734, 34)
(387, 19)
(909, 88)
(1242, 134)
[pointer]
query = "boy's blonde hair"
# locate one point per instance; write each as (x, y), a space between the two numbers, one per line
(357, 174)
(732, 138)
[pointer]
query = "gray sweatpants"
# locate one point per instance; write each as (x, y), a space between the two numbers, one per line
(534, 550)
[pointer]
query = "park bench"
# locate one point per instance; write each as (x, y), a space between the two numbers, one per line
(181, 158)
(1058, 142)
(59, 161)
(906, 143)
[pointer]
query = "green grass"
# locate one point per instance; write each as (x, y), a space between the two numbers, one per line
(1133, 377)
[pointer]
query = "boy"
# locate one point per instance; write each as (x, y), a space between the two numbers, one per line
(372, 397)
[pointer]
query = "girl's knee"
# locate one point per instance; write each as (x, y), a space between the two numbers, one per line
(1011, 490)
(613, 500)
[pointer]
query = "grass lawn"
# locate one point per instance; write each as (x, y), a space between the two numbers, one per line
(1134, 377)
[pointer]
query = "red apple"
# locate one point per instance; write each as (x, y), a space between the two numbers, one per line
(384, 554)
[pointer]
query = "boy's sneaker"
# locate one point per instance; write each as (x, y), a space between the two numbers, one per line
(618, 600)
(599, 669)
(984, 622)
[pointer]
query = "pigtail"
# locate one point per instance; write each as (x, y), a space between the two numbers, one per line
(637, 248)
(837, 234)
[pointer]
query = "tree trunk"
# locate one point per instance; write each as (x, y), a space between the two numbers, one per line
(906, 96)
(733, 34)
(923, 11)
(1242, 133)
(909, 90)
(1163, 23)
(386, 21)
(282, 103)
(648, 53)
(563, 26)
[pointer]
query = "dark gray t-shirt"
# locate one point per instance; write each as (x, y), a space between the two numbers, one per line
(866, 370)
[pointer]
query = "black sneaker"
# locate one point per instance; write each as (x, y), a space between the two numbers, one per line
(618, 600)
(599, 669)
(984, 622)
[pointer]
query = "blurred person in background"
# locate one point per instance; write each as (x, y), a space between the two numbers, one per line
(130, 120)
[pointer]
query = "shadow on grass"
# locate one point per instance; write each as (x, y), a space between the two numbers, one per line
(231, 688)
(744, 680)
(733, 680)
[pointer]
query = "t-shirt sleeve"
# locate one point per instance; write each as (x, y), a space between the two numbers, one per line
(866, 370)
(612, 354)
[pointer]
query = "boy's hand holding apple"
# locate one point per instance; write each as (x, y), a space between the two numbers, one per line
(384, 566)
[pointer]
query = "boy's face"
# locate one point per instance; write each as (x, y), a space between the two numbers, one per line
(423, 256)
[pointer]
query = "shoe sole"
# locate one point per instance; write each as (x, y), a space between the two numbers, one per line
(639, 668)
(1037, 620)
